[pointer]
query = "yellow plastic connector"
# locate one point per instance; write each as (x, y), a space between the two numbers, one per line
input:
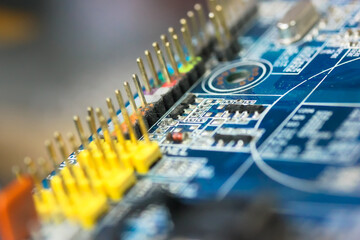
(80, 204)
(85, 159)
(64, 201)
(147, 152)
(115, 177)
(119, 182)
(44, 207)
(92, 207)
(146, 155)
(82, 181)
(119, 177)
(50, 201)
(70, 184)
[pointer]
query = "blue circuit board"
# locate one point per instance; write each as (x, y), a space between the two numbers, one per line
(305, 146)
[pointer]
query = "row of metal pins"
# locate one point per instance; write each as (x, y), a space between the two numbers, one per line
(199, 29)
(37, 172)
(84, 168)
(65, 179)
(169, 52)
(213, 6)
(187, 38)
(75, 180)
(200, 34)
(85, 143)
(126, 117)
(93, 130)
(33, 170)
(218, 20)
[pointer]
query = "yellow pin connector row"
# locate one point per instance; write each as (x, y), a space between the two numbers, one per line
(105, 168)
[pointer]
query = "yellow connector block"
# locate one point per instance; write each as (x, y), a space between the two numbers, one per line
(90, 209)
(66, 206)
(119, 181)
(79, 205)
(92, 145)
(46, 205)
(82, 181)
(97, 183)
(70, 184)
(125, 156)
(84, 158)
(146, 155)
(42, 208)
(95, 173)
(49, 199)
(113, 160)
(131, 147)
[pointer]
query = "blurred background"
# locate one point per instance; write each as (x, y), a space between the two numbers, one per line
(58, 57)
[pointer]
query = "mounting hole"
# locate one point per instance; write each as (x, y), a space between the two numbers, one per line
(238, 77)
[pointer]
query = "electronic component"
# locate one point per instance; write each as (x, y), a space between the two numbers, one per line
(177, 137)
(189, 99)
(105, 171)
(227, 47)
(177, 111)
(297, 21)
(233, 108)
(148, 153)
(235, 138)
(180, 109)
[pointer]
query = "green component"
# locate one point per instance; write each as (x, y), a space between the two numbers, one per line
(190, 65)
(160, 76)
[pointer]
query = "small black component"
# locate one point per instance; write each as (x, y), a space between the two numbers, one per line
(228, 138)
(189, 99)
(137, 129)
(179, 110)
(159, 107)
(200, 68)
(192, 76)
(169, 136)
(229, 52)
(207, 49)
(150, 116)
(205, 53)
(176, 92)
(184, 83)
(168, 100)
(232, 108)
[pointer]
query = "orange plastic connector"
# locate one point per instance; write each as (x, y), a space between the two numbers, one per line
(17, 210)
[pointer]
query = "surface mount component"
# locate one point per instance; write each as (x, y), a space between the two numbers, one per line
(232, 108)
(230, 137)
(297, 22)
